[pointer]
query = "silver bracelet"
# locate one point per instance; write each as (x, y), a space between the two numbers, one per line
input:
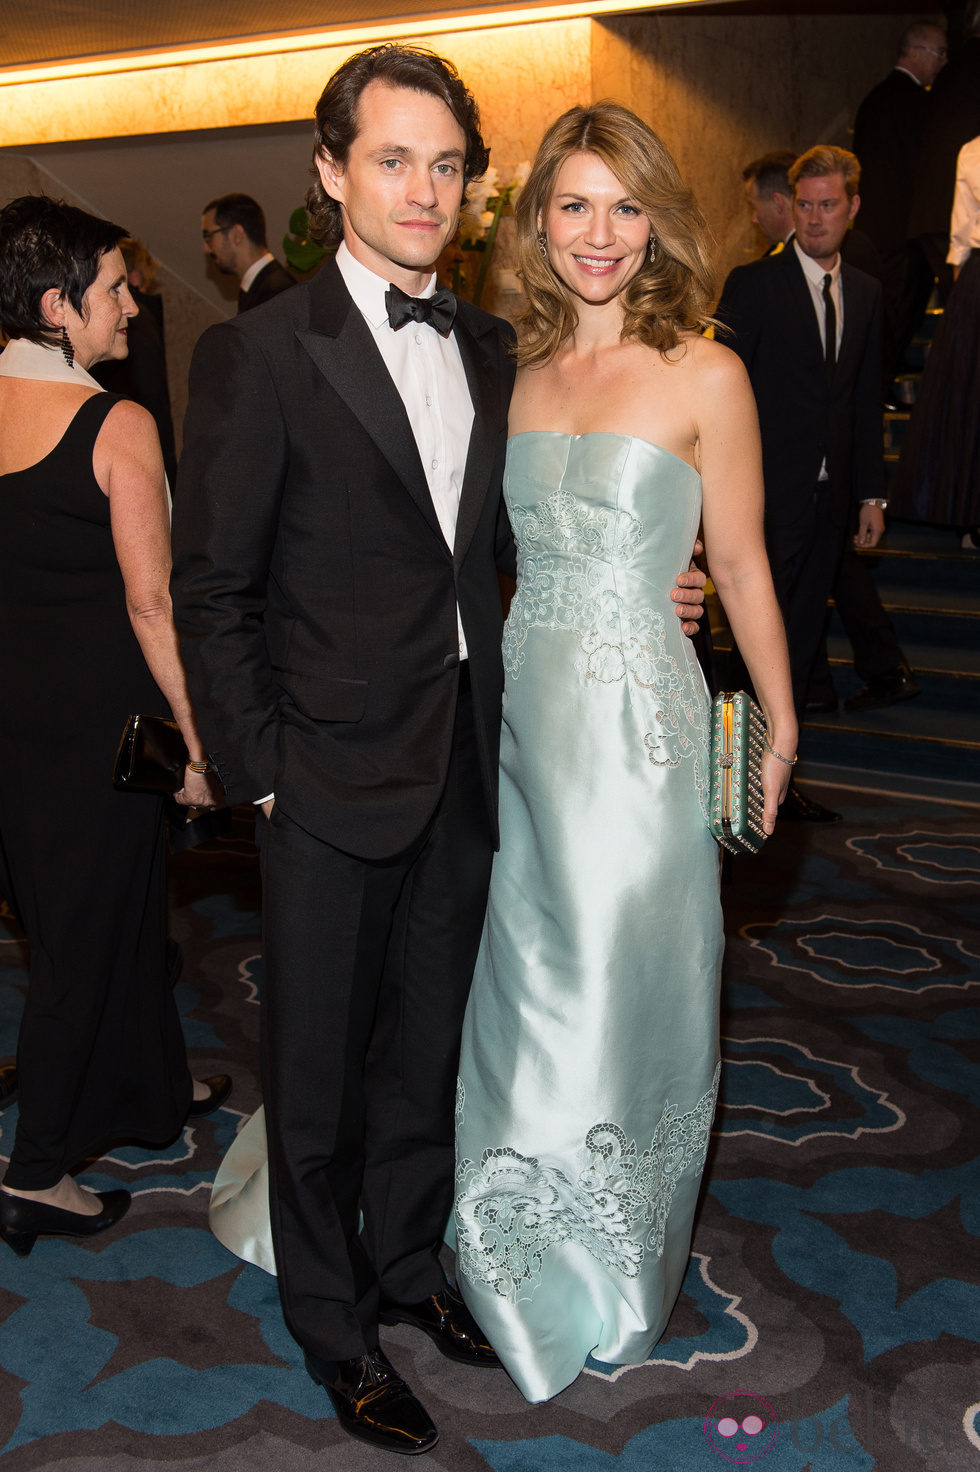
(787, 761)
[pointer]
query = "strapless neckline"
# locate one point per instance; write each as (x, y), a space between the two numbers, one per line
(603, 434)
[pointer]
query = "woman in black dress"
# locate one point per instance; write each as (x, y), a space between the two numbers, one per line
(86, 639)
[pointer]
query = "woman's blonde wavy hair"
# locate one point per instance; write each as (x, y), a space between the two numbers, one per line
(671, 292)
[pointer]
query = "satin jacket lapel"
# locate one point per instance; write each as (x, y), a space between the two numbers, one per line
(481, 369)
(340, 343)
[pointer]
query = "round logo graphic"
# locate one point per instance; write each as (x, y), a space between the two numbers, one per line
(741, 1427)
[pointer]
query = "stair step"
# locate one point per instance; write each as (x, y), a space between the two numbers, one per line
(936, 662)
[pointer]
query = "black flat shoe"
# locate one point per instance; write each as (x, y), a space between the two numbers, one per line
(219, 1087)
(889, 689)
(22, 1221)
(801, 809)
(9, 1085)
(374, 1404)
(448, 1323)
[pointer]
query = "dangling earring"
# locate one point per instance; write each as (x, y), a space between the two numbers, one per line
(651, 248)
(542, 244)
(66, 348)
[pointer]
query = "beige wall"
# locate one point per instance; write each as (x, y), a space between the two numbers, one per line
(721, 89)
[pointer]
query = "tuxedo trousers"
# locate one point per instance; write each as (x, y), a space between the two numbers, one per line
(367, 969)
(804, 555)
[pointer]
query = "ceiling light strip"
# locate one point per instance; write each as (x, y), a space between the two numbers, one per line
(352, 36)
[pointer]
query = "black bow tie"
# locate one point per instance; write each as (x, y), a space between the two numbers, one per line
(438, 310)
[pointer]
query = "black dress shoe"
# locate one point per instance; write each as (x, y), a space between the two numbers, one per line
(22, 1221)
(9, 1084)
(219, 1087)
(373, 1402)
(448, 1323)
(896, 685)
(801, 809)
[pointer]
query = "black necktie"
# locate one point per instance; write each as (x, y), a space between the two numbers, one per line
(830, 325)
(438, 310)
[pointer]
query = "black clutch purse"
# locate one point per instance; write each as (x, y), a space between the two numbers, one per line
(152, 756)
(738, 734)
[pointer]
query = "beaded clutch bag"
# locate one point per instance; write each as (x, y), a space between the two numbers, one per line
(737, 740)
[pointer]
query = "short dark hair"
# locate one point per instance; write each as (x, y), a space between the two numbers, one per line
(770, 173)
(45, 244)
(238, 209)
(412, 67)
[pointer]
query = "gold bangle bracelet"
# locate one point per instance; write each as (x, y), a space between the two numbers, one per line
(787, 761)
(201, 768)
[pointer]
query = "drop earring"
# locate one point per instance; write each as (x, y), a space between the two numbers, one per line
(67, 349)
(651, 249)
(542, 244)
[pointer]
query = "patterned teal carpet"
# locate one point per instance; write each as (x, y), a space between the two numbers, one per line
(830, 1317)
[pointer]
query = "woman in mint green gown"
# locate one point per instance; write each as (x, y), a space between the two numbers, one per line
(590, 1059)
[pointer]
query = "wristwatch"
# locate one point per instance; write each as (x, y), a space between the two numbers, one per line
(875, 501)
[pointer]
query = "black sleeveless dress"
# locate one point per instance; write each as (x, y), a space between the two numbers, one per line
(101, 1055)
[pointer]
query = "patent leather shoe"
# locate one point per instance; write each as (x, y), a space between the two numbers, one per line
(22, 1220)
(799, 808)
(888, 689)
(374, 1404)
(448, 1323)
(219, 1087)
(9, 1085)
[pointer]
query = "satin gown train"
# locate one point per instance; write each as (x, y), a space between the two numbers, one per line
(589, 1066)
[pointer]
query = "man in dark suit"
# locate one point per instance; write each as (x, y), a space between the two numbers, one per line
(337, 537)
(952, 119)
(769, 196)
(233, 232)
(808, 328)
(887, 136)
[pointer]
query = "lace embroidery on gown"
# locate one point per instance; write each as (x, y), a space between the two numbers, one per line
(511, 1209)
(573, 588)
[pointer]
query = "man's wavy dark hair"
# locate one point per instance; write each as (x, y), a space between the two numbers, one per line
(336, 117)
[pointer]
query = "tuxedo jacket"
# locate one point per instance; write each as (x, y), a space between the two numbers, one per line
(314, 593)
(805, 416)
(270, 281)
(887, 134)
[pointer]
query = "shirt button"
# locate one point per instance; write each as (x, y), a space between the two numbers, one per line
(435, 465)
(428, 401)
(418, 337)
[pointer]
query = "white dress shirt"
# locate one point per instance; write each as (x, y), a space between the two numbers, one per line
(964, 225)
(428, 373)
(814, 274)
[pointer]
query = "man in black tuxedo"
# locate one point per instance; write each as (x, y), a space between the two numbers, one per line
(338, 532)
(233, 232)
(887, 136)
(808, 328)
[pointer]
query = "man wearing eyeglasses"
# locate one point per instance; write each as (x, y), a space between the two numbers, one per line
(233, 232)
(887, 134)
